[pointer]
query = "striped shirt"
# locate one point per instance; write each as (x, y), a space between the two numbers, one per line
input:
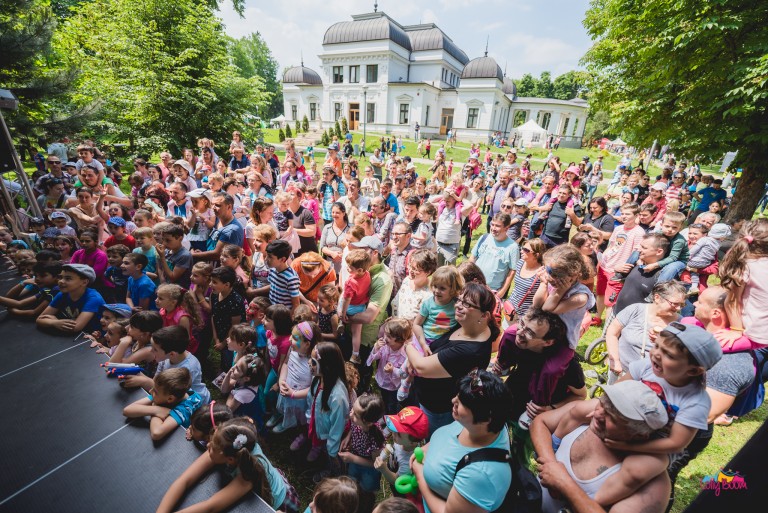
(523, 288)
(283, 286)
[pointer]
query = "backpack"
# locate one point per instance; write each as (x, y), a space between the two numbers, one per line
(524, 494)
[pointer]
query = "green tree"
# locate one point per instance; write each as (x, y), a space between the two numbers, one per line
(691, 74)
(570, 85)
(324, 139)
(598, 126)
(35, 73)
(281, 135)
(305, 124)
(544, 87)
(253, 58)
(526, 86)
(337, 130)
(344, 127)
(298, 127)
(160, 72)
(288, 133)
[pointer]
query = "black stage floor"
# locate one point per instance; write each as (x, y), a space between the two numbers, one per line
(64, 443)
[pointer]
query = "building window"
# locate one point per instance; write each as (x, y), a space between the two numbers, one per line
(472, 118)
(312, 111)
(545, 120)
(372, 73)
(370, 115)
(338, 74)
(404, 108)
(426, 117)
(575, 126)
(565, 127)
(354, 74)
(294, 112)
(336, 111)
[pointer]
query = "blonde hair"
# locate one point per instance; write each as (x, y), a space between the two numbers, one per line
(358, 259)
(449, 277)
(265, 232)
(184, 299)
(215, 177)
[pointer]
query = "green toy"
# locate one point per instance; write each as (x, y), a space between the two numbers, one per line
(407, 483)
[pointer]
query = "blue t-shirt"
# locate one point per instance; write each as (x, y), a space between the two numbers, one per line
(142, 288)
(709, 195)
(151, 255)
(90, 301)
(392, 201)
(183, 411)
(496, 259)
(484, 483)
(192, 364)
(232, 233)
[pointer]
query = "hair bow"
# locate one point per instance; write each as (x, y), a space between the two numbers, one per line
(239, 442)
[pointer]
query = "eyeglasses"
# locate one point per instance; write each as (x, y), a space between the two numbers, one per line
(461, 300)
(526, 250)
(506, 206)
(476, 385)
(54, 162)
(674, 304)
(398, 234)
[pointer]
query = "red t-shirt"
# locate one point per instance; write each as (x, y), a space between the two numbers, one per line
(128, 241)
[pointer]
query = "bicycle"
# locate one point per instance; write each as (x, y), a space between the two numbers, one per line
(597, 356)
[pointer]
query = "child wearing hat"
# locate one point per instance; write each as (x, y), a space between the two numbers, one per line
(118, 235)
(77, 306)
(61, 222)
(409, 429)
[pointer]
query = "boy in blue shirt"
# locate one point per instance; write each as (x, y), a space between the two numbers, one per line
(76, 307)
(141, 290)
(171, 404)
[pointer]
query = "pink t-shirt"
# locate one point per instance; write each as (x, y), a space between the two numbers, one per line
(755, 300)
(277, 345)
(621, 244)
(357, 289)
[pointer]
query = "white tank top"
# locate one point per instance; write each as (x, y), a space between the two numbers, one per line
(590, 486)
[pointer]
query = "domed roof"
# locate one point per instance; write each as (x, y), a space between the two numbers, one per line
(429, 37)
(509, 87)
(301, 75)
(482, 67)
(367, 27)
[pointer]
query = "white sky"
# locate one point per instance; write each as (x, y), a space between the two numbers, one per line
(526, 36)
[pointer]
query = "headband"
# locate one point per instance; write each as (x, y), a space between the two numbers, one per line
(305, 330)
(213, 422)
(749, 239)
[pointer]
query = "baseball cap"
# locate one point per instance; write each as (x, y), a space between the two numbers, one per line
(369, 242)
(521, 202)
(70, 164)
(410, 421)
(637, 401)
(119, 309)
(700, 343)
(573, 169)
(117, 221)
(85, 271)
(60, 215)
(50, 233)
(474, 156)
(334, 146)
(201, 192)
(659, 186)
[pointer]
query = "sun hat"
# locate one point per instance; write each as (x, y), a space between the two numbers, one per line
(659, 186)
(183, 163)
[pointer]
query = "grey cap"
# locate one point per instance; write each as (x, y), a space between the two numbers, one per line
(86, 271)
(200, 192)
(186, 165)
(637, 401)
(700, 343)
(369, 242)
(720, 231)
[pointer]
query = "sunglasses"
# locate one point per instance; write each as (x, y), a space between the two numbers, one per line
(476, 383)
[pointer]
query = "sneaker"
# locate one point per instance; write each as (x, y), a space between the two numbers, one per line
(314, 453)
(274, 421)
(403, 391)
(298, 442)
(355, 358)
(280, 428)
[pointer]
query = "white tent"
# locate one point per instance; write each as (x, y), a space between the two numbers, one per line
(278, 121)
(530, 134)
(618, 142)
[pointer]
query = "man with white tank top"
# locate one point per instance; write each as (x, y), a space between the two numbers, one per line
(578, 470)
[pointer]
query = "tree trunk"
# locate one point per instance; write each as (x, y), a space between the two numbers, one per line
(751, 186)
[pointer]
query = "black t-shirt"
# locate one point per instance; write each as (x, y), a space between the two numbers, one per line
(303, 218)
(637, 286)
(458, 358)
(557, 226)
(604, 223)
(520, 376)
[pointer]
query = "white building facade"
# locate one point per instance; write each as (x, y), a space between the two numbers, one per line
(391, 77)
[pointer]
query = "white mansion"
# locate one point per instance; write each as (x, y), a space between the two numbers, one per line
(395, 76)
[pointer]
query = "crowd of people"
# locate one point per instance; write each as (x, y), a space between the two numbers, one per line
(322, 299)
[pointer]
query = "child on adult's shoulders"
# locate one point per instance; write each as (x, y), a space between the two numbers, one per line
(76, 307)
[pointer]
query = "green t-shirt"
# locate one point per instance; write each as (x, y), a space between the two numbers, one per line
(380, 295)
(438, 319)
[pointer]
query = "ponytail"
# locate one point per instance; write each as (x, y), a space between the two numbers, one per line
(752, 243)
(189, 304)
(237, 439)
(252, 470)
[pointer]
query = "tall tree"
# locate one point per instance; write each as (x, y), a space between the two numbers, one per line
(159, 70)
(544, 88)
(570, 85)
(253, 58)
(526, 86)
(693, 74)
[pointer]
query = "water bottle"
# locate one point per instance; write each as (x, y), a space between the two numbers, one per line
(524, 421)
